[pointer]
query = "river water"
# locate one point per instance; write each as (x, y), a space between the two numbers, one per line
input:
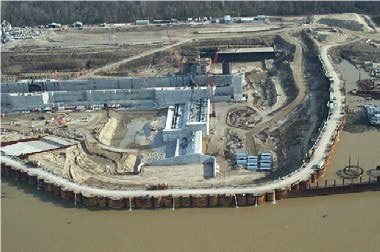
(36, 221)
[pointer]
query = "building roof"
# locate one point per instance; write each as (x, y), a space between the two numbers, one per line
(248, 50)
(44, 144)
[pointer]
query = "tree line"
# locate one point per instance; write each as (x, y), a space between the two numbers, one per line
(44, 12)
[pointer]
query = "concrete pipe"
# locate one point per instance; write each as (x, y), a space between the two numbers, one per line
(57, 190)
(49, 186)
(251, 199)
(102, 201)
(143, 202)
(304, 185)
(241, 199)
(7, 170)
(67, 194)
(270, 196)
(77, 197)
(13, 172)
(18, 174)
(89, 200)
(158, 202)
(199, 201)
(169, 200)
(32, 179)
(116, 203)
(130, 203)
(295, 187)
(281, 193)
(313, 178)
(185, 201)
(3, 165)
(226, 200)
(213, 200)
(40, 183)
(23, 176)
(260, 199)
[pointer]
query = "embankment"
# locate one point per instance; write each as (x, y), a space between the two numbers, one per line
(306, 188)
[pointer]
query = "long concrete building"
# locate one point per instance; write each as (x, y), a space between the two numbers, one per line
(134, 93)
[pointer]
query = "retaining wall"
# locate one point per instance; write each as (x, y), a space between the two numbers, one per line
(225, 200)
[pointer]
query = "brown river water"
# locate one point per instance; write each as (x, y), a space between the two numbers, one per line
(39, 222)
(36, 221)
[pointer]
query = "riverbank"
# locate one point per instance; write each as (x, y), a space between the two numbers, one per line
(329, 223)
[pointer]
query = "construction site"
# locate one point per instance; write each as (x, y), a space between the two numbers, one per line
(217, 109)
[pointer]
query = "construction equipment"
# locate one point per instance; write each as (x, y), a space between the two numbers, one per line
(211, 82)
(153, 126)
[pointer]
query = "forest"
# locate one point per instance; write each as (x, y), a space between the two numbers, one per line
(39, 13)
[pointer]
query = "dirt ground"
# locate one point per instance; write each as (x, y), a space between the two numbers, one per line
(110, 144)
(351, 21)
(74, 53)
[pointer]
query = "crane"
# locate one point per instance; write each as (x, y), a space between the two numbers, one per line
(175, 54)
(211, 82)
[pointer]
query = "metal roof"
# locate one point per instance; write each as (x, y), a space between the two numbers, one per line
(47, 143)
(248, 50)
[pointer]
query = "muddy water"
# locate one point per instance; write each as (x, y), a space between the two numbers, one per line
(360, 141)
(36, 221)
(364, 145)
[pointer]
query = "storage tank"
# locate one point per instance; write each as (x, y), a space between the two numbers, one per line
(227, 68)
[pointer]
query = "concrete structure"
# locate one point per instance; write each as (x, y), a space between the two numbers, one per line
(133, 93)
(240, 54)
(188, 105)
(187, 117)
(36, 146)
(142, 22)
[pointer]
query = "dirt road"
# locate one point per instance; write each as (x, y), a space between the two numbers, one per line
(115, 65)
(297, 70)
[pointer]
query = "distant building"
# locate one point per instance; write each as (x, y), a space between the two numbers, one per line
(54, 25)
(142, 22)
(245, 20)
(261, 18)
(78, 24)
(227, 19)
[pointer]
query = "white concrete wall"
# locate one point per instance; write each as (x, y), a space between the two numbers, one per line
(89, 92)
(11, 102)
